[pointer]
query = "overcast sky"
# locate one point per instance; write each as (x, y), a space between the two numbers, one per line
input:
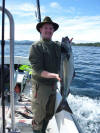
(79, 19)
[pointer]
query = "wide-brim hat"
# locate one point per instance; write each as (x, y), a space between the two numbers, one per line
(49, 21)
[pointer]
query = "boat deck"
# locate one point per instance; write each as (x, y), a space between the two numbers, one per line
(23, 116)
(22, 123)
(23, 107)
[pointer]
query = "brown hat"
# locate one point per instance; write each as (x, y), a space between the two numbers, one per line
(49, 21)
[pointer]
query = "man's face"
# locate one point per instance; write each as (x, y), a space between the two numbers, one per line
(47, 31)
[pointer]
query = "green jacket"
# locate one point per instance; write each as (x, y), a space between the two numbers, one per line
(45, 55)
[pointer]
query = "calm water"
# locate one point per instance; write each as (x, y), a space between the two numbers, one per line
(85, 89)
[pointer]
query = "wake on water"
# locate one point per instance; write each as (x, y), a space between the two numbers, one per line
(87, 112)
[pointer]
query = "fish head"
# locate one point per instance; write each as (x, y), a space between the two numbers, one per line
(66, 47)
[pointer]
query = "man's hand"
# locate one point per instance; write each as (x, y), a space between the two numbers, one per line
(57, 77)
(46, 74)
(66, 39)
(71, 40)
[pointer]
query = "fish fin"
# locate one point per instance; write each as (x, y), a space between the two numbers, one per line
(64, 106)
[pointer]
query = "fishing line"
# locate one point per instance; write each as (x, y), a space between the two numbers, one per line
(2, 67)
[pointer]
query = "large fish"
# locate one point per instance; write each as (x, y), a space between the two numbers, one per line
(66, 121)
(67, 65)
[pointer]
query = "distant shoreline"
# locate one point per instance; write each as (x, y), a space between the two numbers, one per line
(27, 42)
(97, 44)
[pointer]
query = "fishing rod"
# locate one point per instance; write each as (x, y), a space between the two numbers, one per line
(38, 11)
(2, 67)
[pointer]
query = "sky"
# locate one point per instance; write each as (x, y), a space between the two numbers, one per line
(79, 19)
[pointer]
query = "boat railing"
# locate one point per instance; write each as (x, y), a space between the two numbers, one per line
(20, 60)
(11, 22)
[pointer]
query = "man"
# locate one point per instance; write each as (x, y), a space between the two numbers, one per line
(45, 60)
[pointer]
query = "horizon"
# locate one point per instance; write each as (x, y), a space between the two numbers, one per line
(34, 41)
(77, 18)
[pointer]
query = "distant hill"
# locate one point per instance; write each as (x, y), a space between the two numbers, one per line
(27, 42)
(24, 42)
(96, 44)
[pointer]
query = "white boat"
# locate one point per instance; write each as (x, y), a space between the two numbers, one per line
(62, 122)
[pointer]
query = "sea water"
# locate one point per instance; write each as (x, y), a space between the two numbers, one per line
(84, 99)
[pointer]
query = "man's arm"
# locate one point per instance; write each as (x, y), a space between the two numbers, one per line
(36, 59)
(46, 74)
